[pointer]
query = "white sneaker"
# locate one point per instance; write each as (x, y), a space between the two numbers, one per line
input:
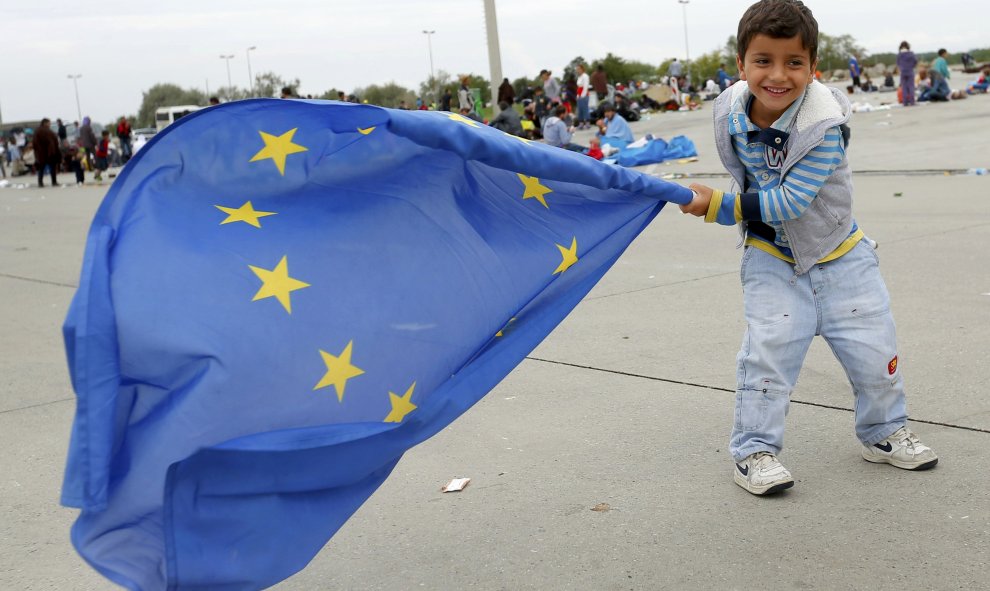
(762, 474)
(902, 449)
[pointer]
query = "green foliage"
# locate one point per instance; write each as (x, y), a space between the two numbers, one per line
(386, 95)
(520, 85)
(834, 52)
(705, 66)
(431, 89)
(270, 84)
(620, 70)
(165, 95)
(479, 82)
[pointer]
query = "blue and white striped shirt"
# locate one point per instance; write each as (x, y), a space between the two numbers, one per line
(767, 198)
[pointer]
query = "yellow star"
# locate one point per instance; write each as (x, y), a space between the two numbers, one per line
(339, 370)
(463, 119)
(277, 283)
(533, 189)
(505, 328)
(570, 256)
(401, 405)
(365, 130)
(245, 213)
(277, 148)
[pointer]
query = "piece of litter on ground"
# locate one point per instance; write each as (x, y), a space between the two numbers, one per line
(601, 507)
(898, 194)
(455, 485)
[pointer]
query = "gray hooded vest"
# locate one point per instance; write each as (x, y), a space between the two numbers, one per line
(827, 222)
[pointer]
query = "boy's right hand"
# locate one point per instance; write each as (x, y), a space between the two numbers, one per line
(699, 204)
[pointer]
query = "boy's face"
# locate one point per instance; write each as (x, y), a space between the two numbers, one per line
(777, 72)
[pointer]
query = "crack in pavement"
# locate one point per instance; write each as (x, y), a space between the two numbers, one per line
(732, 391)
(33, 280)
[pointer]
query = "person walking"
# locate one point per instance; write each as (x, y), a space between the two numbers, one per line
(906, 62)
(61, 130)
(46, 152)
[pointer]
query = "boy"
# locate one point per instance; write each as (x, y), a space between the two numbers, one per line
(807, 268)
(102, 155)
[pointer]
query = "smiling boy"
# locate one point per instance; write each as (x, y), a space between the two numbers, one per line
(807, 268)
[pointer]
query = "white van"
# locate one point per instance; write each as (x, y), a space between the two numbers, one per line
(165, 116)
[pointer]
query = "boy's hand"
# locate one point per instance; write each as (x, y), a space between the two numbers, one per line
(699, 204)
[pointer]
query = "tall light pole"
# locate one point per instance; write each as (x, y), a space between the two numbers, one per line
(74, 78)
(227, 59)
(494, 54)
(250, 77)
(429, 45)
(687, 52)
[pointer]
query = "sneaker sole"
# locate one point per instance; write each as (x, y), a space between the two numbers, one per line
(902, 465)
(761, 491)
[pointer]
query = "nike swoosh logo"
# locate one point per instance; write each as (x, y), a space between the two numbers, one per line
(886, 447)
(745, 471)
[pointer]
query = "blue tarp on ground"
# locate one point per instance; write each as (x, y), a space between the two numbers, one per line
(658, 151)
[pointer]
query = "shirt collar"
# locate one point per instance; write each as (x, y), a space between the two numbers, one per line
(775, 135)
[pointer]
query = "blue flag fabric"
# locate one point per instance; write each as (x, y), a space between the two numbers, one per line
(279, 298)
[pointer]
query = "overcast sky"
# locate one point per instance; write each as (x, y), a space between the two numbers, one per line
(122, 48)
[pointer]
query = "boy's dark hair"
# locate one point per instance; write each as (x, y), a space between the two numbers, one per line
(560, 111)
(780, 19)
(942, 51)
(105, 133)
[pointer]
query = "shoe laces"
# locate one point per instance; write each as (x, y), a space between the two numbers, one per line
(905, 437)
(762, 458)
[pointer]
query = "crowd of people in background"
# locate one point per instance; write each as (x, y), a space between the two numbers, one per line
(48, 150)
(551, 110)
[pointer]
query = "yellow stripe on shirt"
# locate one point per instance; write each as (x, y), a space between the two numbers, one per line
(840, 250)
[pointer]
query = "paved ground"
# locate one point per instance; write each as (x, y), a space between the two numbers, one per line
(628, 403)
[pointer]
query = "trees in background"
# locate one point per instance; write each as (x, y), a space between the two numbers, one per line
(833, 54)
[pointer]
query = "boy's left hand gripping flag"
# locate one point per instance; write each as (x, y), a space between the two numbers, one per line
(279, 298)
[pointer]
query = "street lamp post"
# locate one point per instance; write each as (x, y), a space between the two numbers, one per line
(227, 59)
(429, 45)
(687, 52)
(250, 77)
(75, 84)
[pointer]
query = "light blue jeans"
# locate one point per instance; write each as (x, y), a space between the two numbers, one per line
(846, 302)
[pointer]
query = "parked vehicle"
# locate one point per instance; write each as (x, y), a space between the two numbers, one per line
(165, 116)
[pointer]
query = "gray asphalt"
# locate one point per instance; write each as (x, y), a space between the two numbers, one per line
(628, 403)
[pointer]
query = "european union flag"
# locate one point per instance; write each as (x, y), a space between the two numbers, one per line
(279, 298)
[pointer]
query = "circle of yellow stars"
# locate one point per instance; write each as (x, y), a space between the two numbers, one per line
(277, 283)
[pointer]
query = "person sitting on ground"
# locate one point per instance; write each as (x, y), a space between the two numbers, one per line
(625, 108)
(868, 85)
(508, 120)
(888, 82)
(595, 148)
(612, 125)
(981, 84)
(937, 90)
(557, 133)
(466, 112)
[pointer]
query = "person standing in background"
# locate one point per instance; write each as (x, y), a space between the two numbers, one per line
(124, 135)
(906, 62)
(583, 97)
(599, 87)
(46, 152)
